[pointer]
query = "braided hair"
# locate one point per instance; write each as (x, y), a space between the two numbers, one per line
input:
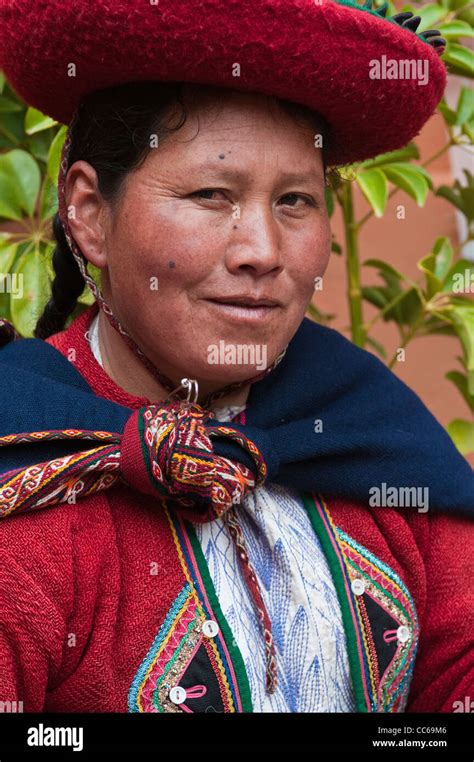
(112, 133)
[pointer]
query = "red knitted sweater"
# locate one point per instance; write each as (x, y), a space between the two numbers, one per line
(102, 602)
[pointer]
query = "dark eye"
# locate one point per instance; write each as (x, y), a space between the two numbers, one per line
(205, 193)
(293, 196)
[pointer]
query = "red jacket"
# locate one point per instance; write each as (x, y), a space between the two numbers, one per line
(102, 602)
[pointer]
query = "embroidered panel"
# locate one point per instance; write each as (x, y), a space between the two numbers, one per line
(181, 671)
(379, 613)
(388, 625)
(193, 665)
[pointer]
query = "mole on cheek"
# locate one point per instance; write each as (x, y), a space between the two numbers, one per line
(222, 156)
(171, 264)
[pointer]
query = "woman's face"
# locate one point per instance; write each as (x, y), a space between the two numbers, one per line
(225, 214)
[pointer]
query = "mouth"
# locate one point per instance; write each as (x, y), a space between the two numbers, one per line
(245, 307)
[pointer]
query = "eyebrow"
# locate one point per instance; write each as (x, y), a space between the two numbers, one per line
(227, 172)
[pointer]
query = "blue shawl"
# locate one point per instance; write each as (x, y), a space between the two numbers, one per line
(330, 418)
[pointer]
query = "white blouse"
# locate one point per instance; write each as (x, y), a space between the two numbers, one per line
(298, 591)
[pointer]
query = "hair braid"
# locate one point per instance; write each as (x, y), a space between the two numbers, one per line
(67, 286)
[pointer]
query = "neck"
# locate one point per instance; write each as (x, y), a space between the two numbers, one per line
(128, 372)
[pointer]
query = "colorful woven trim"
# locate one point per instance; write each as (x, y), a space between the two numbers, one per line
(388, 676)
(64, 479)
(183, 656)
(179, 459)
(165, 450)
(379, 616)
(168, 663)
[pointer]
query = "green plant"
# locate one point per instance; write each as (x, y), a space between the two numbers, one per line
(439, 302)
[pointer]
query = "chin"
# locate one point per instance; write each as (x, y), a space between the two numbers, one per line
(224, 375)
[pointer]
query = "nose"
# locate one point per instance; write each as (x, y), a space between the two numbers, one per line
(255, 243)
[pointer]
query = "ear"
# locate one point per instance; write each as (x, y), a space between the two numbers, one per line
(87, 212)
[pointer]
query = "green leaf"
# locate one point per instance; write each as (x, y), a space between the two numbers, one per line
(460, 279)
(35, 121)
(8, 106)
(449, 115)
(459, 59)
(462, 316)
(427, 265)
(384, 267)
(408, 305)
(461, 196)
(379, 348)
(373, 185)
(54, 156)
(445, 192)
(455, 29)
(465, 105)
(467, 15)
(7, 258)
(10, 208)
(460, 381)
(329, 201)
(436, 326)
(443, 252)
(462, 434)
(376, 295)
(468, 129)
(436, 265)
(2, 82)
(410, 178)
(455, 5)
(21, 180)
(35, 291)
(430, 15)
(403, 154)
(49, 199)
(8, 284)
(408, 309)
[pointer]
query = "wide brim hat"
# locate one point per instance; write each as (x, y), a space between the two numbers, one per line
(374, 79)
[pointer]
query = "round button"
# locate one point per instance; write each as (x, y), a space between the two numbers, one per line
(358, 586)
(210, 628)
(403, 634)
(178, 695)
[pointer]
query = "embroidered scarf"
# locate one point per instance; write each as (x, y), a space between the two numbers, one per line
(330, 417)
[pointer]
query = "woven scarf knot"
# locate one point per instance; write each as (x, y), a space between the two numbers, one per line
(168, 451)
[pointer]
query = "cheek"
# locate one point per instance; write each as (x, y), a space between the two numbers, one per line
(161, 254)
(310, 259)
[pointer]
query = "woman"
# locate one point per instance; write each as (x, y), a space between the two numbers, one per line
(218, 548)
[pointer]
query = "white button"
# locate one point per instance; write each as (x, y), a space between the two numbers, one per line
(358, 586)
(210, 628)
(403, 634)
(178, 695)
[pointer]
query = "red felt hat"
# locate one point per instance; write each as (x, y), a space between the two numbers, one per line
(374, 79)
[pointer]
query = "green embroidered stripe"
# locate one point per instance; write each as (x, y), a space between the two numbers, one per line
(171, 662)
(236, 656)
(339, 582)
(383, 590)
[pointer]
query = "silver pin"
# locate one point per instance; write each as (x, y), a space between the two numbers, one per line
(190, 385)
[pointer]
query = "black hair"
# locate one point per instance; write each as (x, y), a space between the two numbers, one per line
(112, 132)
